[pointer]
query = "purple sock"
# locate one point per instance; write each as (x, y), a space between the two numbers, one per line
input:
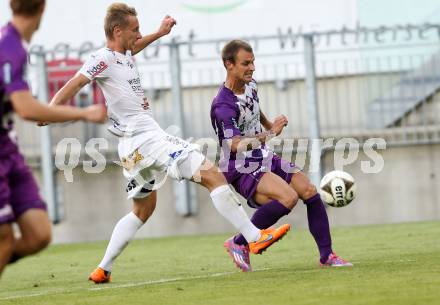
(264, 217)
(318, 225)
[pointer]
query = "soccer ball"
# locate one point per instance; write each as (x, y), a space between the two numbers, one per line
(337, 188)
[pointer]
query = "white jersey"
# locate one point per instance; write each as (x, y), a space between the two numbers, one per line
(144, 148)
(249, 120)
(128, 108)
(249, 106)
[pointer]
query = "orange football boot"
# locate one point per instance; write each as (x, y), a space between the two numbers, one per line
(100, 276)
(267, 238)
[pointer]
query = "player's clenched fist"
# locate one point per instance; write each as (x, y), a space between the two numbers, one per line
(279, 123)
(167, 24)
(96, 114)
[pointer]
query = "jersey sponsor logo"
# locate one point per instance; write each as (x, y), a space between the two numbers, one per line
(134, 81)
(177, 141)
(135, 84)
(130, 162)
(131, 185)
(262, 169)
(176, 154)
(144, 190)
(99, 68)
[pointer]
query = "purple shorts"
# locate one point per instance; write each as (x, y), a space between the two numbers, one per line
(18, 189)
(246, 183)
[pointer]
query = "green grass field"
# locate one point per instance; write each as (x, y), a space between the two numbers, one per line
(394, 264)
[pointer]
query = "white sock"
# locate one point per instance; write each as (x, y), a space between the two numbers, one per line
(230, 208)
(123, 233)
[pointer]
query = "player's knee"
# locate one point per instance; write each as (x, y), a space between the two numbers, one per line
(145, 213)
(39, 241)
(309, 192)
(212, 178)
(290, 199)
(143, 208)
(44, 240)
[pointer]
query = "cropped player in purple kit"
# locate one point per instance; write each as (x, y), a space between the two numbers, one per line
(20, 201)
(269, 183)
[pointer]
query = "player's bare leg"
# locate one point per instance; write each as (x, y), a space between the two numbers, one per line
(303, 186)
(230, 207)
(6, 244)
(35, 229)
(143, 208)
(275, 199)
(123, 233)
(272, 187)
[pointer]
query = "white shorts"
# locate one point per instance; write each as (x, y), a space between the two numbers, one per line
(147, 168)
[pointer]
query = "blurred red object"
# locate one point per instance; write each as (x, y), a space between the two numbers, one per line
(60, 71)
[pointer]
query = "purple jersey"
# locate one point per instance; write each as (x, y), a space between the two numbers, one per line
(13, 60)
(238, 115)
(18, 189)
(231, 116)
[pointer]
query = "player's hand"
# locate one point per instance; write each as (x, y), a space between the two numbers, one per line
(279, 123)
(167, 24)
(95, 114)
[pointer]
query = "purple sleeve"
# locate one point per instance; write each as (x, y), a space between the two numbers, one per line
(13, 74)
(225, 119)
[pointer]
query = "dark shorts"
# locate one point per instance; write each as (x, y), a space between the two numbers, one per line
(18, 189)
(246, 183)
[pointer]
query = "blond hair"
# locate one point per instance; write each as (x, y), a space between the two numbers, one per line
(117, 14)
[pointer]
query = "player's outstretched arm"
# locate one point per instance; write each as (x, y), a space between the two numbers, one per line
(265, 122)
(239, 143)
(70, 89)
(165, 28)
(276, 126)
(28, 108)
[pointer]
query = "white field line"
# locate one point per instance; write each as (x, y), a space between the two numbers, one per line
(127, 285)
(154, 282)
